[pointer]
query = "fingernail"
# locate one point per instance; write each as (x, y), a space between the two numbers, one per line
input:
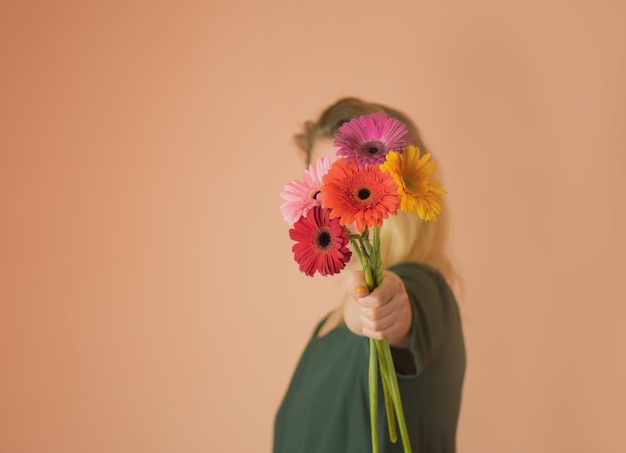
(361, 291)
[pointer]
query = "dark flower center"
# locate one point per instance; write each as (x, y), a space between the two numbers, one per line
(373, 147)
(323, 240)
(364, 193)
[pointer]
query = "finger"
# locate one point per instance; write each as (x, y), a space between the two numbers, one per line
(356, 284)
(394, 330)
(379, 324)
(383, 294)
(379, 298)
(375, 313)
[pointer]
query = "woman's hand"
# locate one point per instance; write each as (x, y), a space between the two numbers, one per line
(383, 313)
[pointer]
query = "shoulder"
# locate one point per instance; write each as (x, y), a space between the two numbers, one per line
(418, 272)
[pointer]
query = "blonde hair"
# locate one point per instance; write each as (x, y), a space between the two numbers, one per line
(404, 237)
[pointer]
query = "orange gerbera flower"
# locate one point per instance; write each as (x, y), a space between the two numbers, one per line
(412, 174)
(362, 195)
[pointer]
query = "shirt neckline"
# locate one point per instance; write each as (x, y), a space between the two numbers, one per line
(320, 324)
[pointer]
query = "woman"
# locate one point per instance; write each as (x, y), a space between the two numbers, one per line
(326, 407)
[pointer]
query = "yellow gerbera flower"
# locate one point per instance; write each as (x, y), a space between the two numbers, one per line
(412, 175)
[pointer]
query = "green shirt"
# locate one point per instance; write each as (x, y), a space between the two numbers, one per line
(326, 407)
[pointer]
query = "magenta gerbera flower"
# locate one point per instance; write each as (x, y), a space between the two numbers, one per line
(369, 138)
(301, 196)
(321, 243)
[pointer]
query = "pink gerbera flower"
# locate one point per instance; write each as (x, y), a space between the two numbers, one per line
(301, 196)
(363, 195)
(321, 243)
(369, 138)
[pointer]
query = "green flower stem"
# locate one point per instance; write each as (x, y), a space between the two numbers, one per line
(373, 389)
(376, 240)
(384, 372)
(395, 394)
(366, 245)
(357, 250)
(380, 353)
(369, 279)
(368, 267)
(377, 263)
(365, 263)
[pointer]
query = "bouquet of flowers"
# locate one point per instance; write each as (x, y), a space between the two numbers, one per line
(377, 172)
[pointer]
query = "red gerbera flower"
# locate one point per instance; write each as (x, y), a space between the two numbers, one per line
(321, 243)
(363, 195)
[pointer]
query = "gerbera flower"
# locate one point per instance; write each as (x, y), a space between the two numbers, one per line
(364, 195)
(369, 138)
(321, 243)
(301, 196)
(412, 174)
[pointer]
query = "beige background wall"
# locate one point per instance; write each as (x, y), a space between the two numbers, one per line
(148, 297)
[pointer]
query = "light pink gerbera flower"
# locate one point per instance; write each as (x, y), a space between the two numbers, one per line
(369, 138)
(301, 196)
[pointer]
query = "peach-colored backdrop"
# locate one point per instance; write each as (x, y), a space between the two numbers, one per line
(148, 298)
